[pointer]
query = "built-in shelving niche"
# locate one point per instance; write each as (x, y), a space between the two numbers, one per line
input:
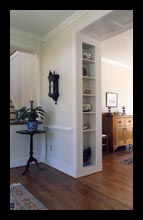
(88, 97)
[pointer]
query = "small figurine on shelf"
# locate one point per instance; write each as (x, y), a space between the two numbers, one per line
(87, 91)
(123, 108)
(109, 109)
(86, 126)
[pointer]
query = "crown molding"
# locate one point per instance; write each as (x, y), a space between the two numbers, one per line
(64, 24)
(15, 54)
(19, 33)
(60, 27)
(104, 59)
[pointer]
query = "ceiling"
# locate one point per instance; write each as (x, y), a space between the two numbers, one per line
(119, 48)
(38, 22)
(114, 30)
(111, 24)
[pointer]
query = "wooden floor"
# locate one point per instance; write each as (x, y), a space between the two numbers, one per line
(111, 189)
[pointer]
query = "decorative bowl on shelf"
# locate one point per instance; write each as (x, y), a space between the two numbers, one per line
(87, 107)
(87, 55)
(87, 91)
(86, 126)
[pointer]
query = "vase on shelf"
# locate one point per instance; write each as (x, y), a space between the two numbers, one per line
(32, 125)
(31, 115)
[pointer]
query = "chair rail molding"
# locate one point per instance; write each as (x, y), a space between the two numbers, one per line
(58, 128)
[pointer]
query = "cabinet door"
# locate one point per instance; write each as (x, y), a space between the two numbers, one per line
(129, 122)
(119, 137)
(119, 122)
(129, 135)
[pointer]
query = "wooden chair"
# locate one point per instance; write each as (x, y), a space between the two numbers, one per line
(105, 145)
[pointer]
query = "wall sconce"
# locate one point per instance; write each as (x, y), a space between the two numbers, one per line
(53, 86)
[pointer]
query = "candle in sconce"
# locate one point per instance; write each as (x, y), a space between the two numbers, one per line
(31, 97)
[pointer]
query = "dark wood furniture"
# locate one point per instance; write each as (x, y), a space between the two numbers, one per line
(31, 158)
(119, 129)
(105, 145)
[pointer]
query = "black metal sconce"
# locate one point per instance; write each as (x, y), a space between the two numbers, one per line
(123, 108)
(53, 86)
(109, 109)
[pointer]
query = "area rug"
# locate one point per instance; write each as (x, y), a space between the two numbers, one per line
(127, 161)
(22, 199)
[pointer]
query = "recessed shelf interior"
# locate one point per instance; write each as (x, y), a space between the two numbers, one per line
(89, 68)
(89, 97)
(89, 141)
(88, 49)
(88, 86)
(90, 100)
(89, 121)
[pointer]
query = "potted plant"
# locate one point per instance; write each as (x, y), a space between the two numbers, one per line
(30, 115)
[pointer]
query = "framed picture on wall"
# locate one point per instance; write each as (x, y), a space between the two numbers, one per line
(111, 99)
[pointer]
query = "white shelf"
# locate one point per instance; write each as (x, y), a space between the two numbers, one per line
(88, 61)
(86, 166)
(88, 77)
(89, 112)
(88, 95)
(87, 130)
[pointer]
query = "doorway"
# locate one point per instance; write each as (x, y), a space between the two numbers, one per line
(114, 31)
(23, 77)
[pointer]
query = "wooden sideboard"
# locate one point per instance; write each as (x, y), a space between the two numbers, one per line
(119, 129)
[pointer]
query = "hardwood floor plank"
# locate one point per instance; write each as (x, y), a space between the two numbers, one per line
(111, 189)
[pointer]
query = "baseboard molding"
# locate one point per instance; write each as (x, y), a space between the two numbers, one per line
(60, 166)
(89, 170)
(43, 159)
(22, 161)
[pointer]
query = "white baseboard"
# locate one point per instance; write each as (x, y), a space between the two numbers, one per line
(22, 161)
(87, 170)
(60, 166)
(43, 159)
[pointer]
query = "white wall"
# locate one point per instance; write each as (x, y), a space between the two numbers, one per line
(118, 79)
(20, 146)
(23, 72)
(23, 82)
(58, 54)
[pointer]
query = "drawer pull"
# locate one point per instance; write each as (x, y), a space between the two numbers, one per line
(129, 121)
(119, 121)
